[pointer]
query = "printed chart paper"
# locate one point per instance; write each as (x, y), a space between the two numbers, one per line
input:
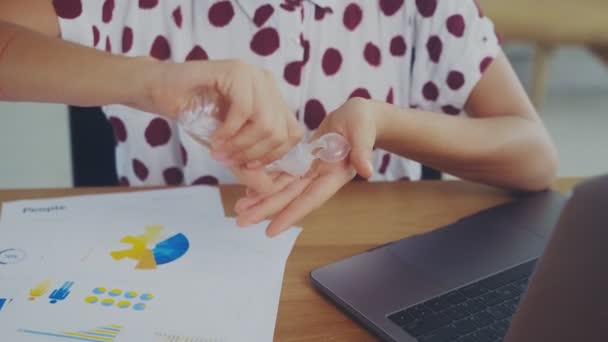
(177, 275)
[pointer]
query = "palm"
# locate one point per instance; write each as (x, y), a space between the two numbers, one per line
(296, 197)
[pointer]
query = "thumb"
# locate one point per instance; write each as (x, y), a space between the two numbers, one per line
(360, 159)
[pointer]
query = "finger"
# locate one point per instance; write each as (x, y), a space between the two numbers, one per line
(253, 155)
(235, 119)
(273, 204)
(249, 192)
(275, 155)
(279, 184)
(360, 158)
(316, 194)
(257, 179)
(295, 131)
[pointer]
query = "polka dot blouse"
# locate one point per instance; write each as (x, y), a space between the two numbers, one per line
(425, 54)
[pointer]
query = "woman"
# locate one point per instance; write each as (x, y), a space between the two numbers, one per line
(382, 73)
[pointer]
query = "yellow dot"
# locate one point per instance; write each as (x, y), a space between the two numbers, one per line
(115, 292)
(124, 304)
(146, 296)
(99, 290)
(91, 300)
(131, 294)
(107, 302)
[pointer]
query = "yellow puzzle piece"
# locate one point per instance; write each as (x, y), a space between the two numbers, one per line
(139, 248)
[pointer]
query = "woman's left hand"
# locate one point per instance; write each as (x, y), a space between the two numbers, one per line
(293, 198)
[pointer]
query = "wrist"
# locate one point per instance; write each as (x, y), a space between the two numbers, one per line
(381, 113)
(145, 77)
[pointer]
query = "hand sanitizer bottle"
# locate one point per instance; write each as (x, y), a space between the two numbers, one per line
(200, 118)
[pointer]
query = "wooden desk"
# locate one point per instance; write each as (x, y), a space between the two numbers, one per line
(359, 217)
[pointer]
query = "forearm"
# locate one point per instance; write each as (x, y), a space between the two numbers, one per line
(35, 67)
(508, 151)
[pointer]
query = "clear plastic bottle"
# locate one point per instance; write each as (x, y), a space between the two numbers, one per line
(200, 118)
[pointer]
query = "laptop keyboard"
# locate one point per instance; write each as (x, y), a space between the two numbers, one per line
(479, 312)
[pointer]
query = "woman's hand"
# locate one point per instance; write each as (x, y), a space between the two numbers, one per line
(293, 198)
(258, 127)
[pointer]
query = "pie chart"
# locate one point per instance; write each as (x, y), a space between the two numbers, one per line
(148, 258)
(170, 249)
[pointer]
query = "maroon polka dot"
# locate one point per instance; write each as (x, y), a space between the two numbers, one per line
(123, 181)
(141, 171)
(455, 80)
(398, 46)
(158, 132)
(314, 114)
(293, 73)
(221, 13)
(372, 54)
(449, 109)
(184, 154)
(262, 14)
(288, 7)
(107, 11)
(360, 92)
(434, 46)
(173, 176)
(456, 25)
(389, 96)
(332, 60)
(160, 48)
(206, 180)
(386, 159)
(68, 9)
(265, 42)
(320, 12)
(147, 4)
(177, 16)
(306, 47)
(197, 54)
(127, 39)
(430, 91)
(352, 16)
(426, 7)
(119, 128)
(390, 7)
(108, 44)
(485, 64)
(95, 35)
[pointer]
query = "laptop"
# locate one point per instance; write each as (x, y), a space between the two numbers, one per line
(535, 269)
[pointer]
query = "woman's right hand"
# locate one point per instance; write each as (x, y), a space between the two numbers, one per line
(258, 126)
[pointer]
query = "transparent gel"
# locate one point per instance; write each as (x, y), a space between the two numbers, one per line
(200, 118)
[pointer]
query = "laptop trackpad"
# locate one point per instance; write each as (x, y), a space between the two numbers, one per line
(468, 250)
